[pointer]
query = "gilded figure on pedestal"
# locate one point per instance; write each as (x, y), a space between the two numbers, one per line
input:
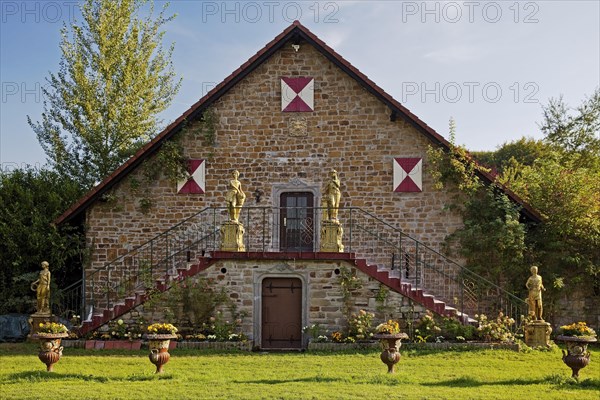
(535, 287)
(333, 195)
(235, 197)
(42, 288)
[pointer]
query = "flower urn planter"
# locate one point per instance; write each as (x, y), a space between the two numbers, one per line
(159, 349)
(577, 356)
(390, 344)
(50, 348)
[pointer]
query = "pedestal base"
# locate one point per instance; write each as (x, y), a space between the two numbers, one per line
(232, 233)
(537, 334)
(331, 237)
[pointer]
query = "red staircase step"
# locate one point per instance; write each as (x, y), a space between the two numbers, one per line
(107, 314)
(97, 319)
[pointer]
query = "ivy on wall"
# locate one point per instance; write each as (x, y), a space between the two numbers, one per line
(349, 283)
(170, 161)
(491, 240)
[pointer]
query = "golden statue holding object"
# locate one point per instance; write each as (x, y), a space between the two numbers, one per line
(232, 231)
(331, 229)
(333, 195)
(235, 197)
(42, 288)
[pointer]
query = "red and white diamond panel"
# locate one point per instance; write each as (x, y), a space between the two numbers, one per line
(408, 174)
(297, 94)
(196, 181)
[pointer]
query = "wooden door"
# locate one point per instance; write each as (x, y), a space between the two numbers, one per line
(281, 315)
(296, 222)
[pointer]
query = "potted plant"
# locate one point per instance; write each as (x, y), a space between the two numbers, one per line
(159, 337)
(50, 335)
(390, 336)
(576, 337)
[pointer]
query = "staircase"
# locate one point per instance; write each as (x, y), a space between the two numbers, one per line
(141, 296)
(407, 290)
(375, 247)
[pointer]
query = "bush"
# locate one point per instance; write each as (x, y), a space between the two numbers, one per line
(453, 329)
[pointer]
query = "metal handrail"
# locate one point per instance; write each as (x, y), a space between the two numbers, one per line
(365, 234)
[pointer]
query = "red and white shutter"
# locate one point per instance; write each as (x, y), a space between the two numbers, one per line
(408, 174)
(196, 181)
(297, 94)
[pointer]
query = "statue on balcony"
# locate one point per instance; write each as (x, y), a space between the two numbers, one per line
(42, 288)
(535, 287)
(331, 228)
(332, 196)
(235, 197)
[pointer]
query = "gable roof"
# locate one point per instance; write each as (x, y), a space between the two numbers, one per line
(295, 32)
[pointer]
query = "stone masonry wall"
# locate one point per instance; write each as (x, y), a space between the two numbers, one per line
(350, 130)
(324, 301)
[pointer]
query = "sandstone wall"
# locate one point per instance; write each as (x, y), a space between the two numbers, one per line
(321, 285)
(350, 130)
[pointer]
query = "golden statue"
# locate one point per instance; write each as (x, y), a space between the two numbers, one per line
(42, 288)
(332, 195)
(535, 286)
(235, 197)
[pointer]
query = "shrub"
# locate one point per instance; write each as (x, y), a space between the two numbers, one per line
(498, 330)
(426, 329)
(359, 325)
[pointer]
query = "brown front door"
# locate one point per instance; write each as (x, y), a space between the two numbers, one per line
(281, 313)
(296, 221)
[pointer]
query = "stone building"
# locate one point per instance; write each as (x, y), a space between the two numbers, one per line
(284, 119)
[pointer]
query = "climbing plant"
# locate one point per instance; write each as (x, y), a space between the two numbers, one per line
(349, 283)
(491, 240)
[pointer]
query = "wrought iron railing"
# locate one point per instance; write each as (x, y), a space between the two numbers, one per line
(270, 229)
(412, 261)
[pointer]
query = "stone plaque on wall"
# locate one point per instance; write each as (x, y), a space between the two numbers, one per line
(298, 127)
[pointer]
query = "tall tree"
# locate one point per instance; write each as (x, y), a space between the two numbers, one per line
(561, 181)
(577, 134)
(113, 81)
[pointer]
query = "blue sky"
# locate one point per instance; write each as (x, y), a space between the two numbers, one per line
(488, 64)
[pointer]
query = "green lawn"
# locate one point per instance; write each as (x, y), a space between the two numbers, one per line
(489, 374)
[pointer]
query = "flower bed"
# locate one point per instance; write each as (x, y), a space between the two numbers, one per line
(330, 346)
(205, 345)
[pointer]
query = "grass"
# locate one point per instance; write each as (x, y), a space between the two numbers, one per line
(191, 374)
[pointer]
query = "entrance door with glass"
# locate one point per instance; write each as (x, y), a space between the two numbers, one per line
(296, 222)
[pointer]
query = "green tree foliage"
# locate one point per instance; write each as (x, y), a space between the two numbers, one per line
(567, 243)
(578, 134)
(113, 80)
(564, 186)
(492, 240)
(29, 201)
(524, 151)
(560, 177)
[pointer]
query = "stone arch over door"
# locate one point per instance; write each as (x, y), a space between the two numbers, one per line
(273, 331)
(295, 185)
